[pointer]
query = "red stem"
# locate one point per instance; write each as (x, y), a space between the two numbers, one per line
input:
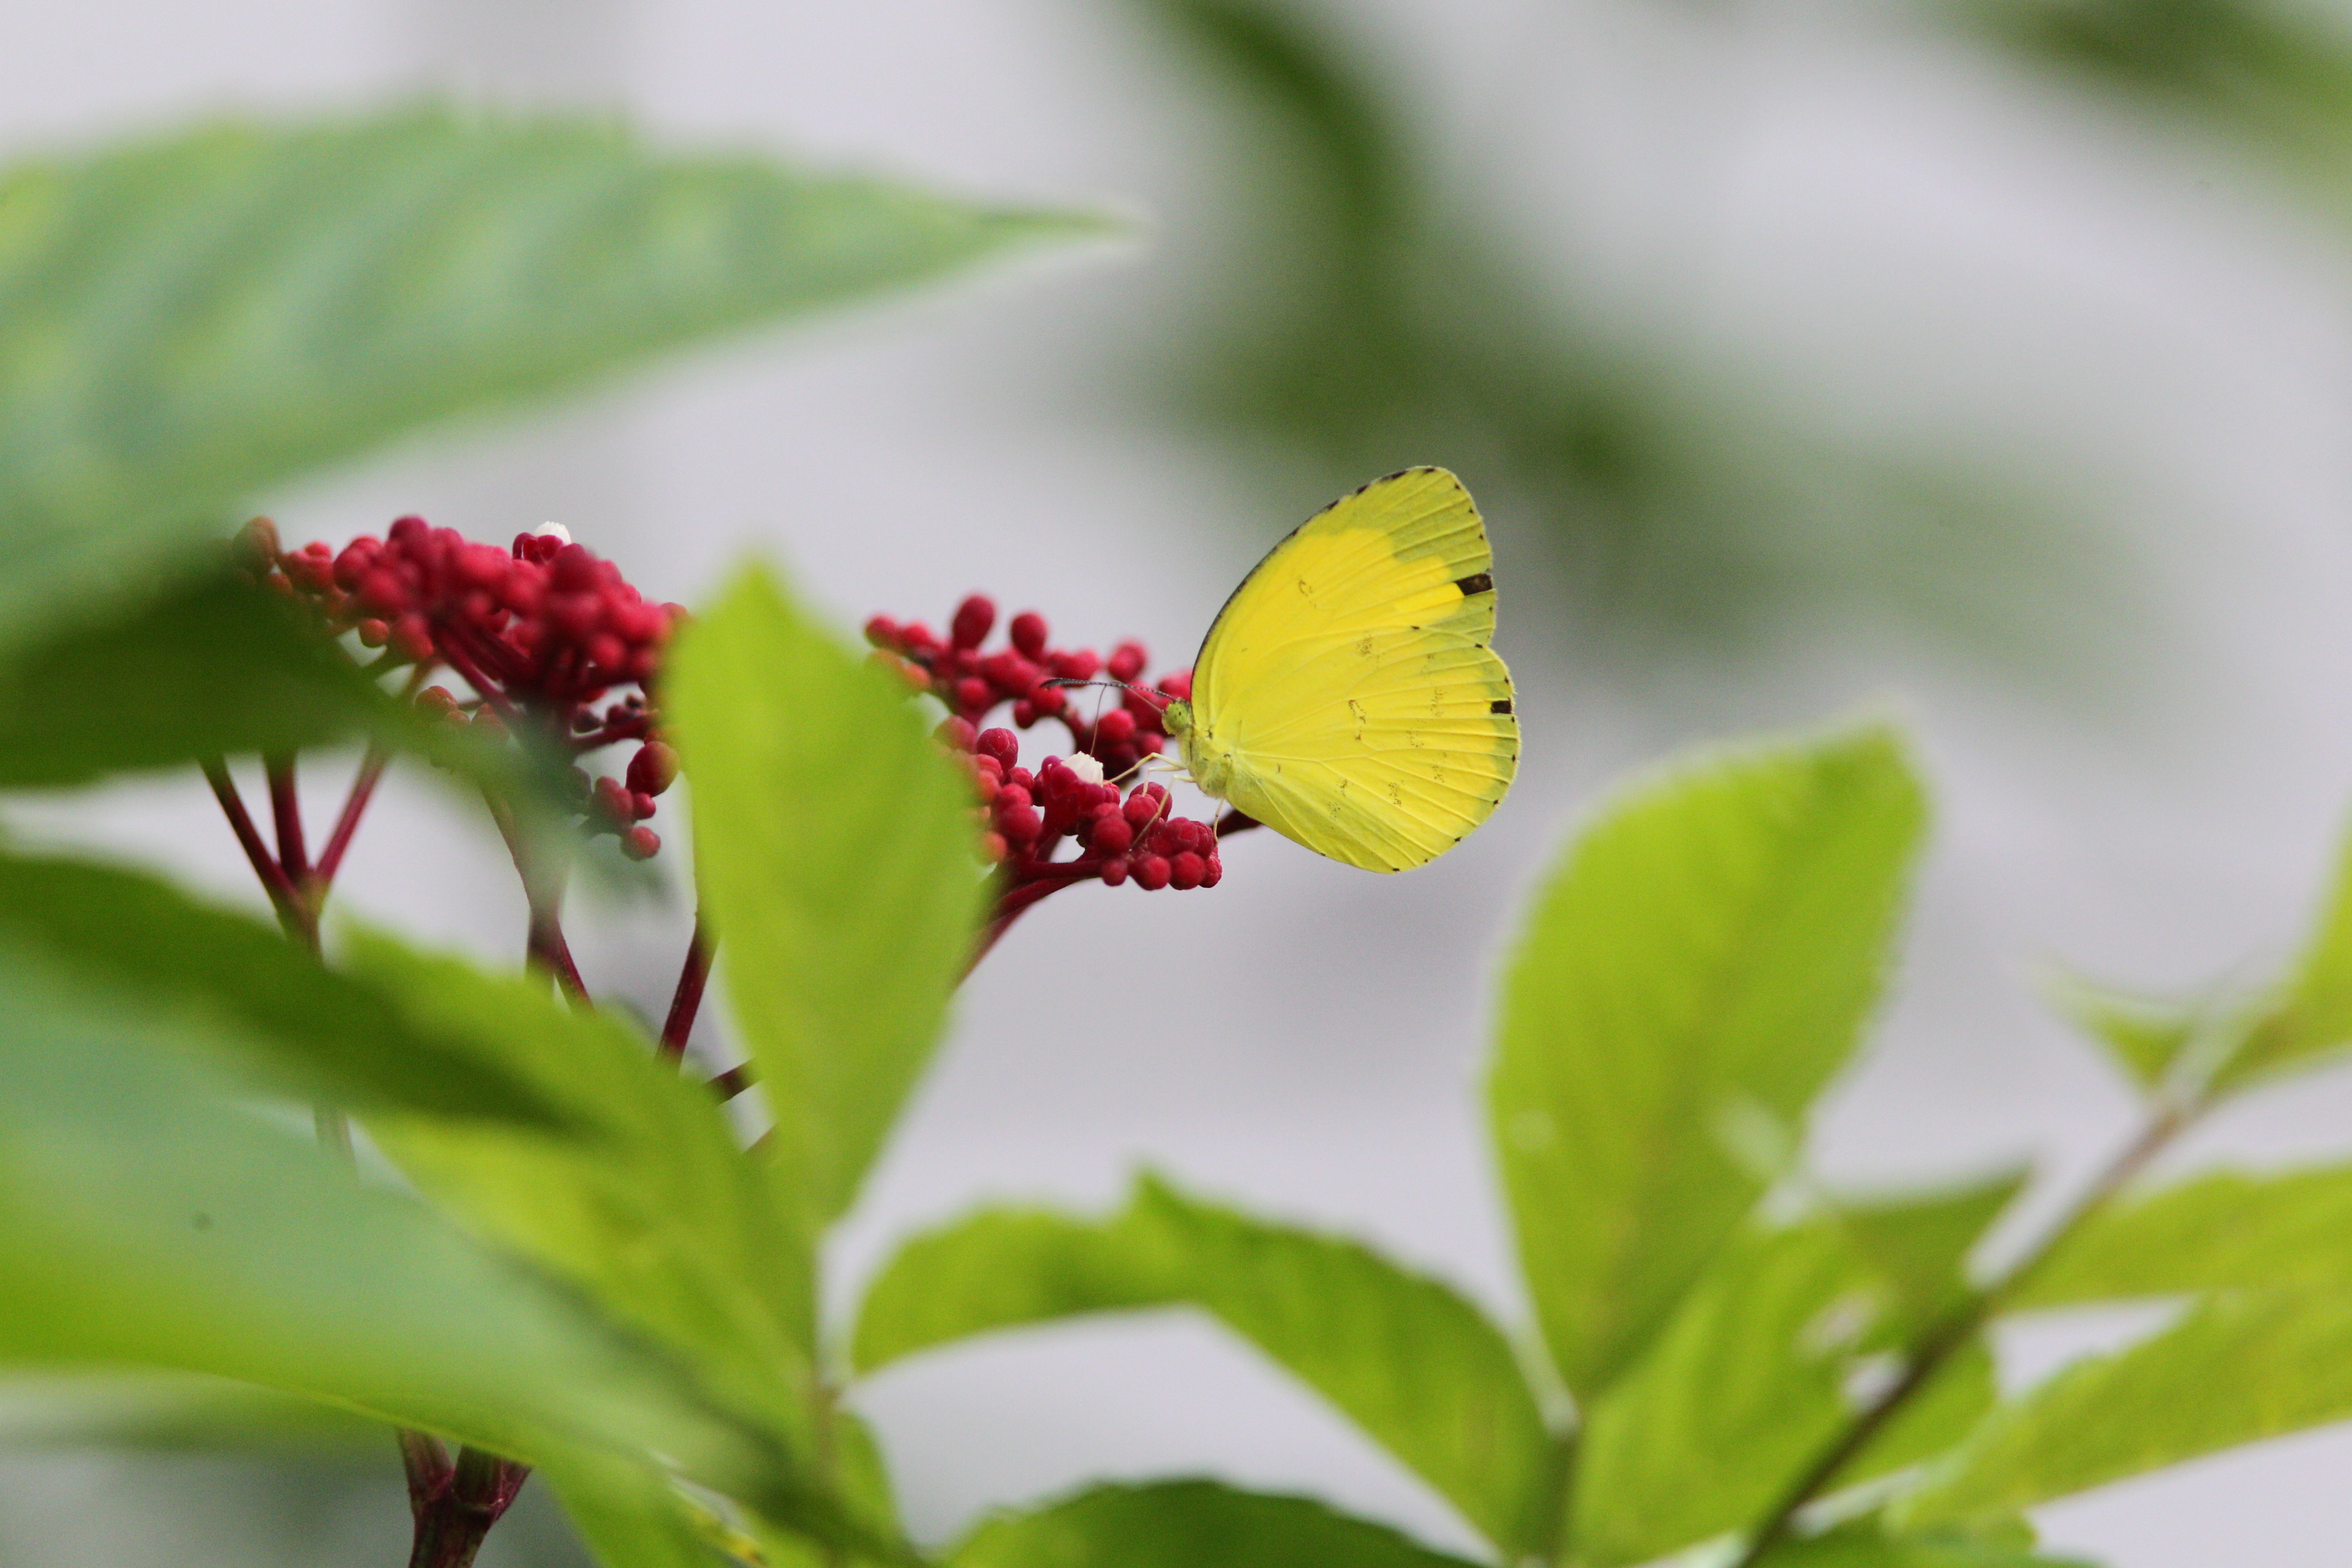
(273, 876)
(355, 804)
(544, 944)
(686, 1001)
(286, 814)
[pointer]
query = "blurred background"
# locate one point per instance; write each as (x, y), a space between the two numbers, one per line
(1987, 362)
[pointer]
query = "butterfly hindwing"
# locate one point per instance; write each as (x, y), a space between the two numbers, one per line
(1348, 683)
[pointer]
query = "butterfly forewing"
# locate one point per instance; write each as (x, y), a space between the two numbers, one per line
(1349, 681)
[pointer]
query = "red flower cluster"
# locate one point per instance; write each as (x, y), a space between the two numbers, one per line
(543, 632)
(1034, 677)
(1130, 835)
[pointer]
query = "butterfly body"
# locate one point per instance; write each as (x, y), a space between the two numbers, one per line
(1346, 695)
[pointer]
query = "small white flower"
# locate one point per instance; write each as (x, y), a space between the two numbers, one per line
(555, 531)
(1086, 768)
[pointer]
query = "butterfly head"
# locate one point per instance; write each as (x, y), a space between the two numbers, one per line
(1177, 718)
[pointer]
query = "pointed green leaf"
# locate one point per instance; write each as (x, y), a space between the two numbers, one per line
(1696, 970)
(1739, 1392)
(664, 1220)
(1188, 1524)
(631, 1517)
(188, 321)
(2312, 1019)
(2243, 1366)
(1865, 1546)
(1408, 1358)
(1920, 1244)
(2225, 1230)
(217, 668)
(304, 1028)
(2145, 1037)
(145, 1221)
(172, 1411)
(837, 862)
(994, 1268)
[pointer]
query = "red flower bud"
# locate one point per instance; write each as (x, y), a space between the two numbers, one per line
(974, 619)
(1028, 633)
(1019, 824)
(956, 734)
(1114, 871)
(882, 632)
(1002, 744)
(1114, 728)
(1080, 664)
(1151, 872)
(1111, 835)
(1185, 871)
(1127, 661)
(974, 693)
(641, 844)
(653, 768)
(1179, 685)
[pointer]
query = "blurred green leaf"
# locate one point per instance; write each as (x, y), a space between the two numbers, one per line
(145, 1222)
(168, 1410)
(2241, 1366)
(2224, 1231)
(1408, 1358)
(665, 1221)
(838, 863)
(2145, 1036)
(2276, 76)
(188, 321)
(1698, 968)
(1188, 1524)
(631, 1517)
(1368, 304)
(215, 668)
(2312, 1018)
(1865, 1546)
(1741, 1391)
(302, 1028)
(1920, 1244)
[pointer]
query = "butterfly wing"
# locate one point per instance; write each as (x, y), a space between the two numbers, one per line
(1347, 692)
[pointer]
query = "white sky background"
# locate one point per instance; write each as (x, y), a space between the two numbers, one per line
(1924, 236)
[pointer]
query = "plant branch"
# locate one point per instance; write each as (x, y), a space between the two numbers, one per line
(286, 814)
(1937, 1346)
(265, 865)
(543, 943)
(355, 804)
(686, 1000)
(457, 1513)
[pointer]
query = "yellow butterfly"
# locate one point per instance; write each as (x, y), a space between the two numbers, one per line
(1345, 696)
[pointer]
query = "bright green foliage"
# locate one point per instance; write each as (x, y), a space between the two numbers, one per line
(1695, 970)
(838, 864)
(1741, 1390)
(144, 1221)
(1188, 1524)
(1920, 1244)
(2145, 1037)
(1863, 1546)
(217, 668)
(663, 1220)
(300, 1028)
(2243, 1366)
(994, 1268)
(631, 1517)
(2312, 1018)
(1412, 1363)
(172, 1410)
(187, 322)
(2224, 1231)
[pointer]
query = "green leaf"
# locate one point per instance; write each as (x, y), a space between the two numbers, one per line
(187, 322)
(836, 859)
(1188, 1524)
(302, 1027)
(170, 1411)
(665, 1221)
(1408, 1358)
(2226, 1230)
(2241, 1366)
(1920, 1244)
(217, 668)
(147, 1222)
(2313, 1018)
(994, 1268)
(2145, 1036)
(1865, 1546)
(631, 1517)
(1696, 970)
(1735, 1398)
